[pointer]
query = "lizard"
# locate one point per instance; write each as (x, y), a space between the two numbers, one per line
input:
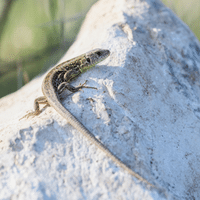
(58, 79)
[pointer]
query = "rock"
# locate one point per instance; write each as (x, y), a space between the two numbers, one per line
(146, 110)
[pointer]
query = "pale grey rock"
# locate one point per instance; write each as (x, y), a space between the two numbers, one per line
(146, 110)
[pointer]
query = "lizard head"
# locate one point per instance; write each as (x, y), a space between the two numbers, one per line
(93, 57)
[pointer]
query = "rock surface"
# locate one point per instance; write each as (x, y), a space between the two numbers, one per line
(146, 110)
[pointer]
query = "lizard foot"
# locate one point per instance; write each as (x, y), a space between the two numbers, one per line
(85, 86)
(30, 114)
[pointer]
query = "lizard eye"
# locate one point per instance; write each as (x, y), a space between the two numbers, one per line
(88, 60)
(99, 53)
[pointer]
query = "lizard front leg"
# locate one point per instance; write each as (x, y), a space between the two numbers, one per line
(37, 110)
(64, 85)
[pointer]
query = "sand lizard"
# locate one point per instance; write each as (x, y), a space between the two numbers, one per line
(58, 79)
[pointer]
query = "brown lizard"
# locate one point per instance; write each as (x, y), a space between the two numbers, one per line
(58, 79)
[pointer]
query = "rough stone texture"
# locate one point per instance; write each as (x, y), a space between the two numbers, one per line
(146, 110)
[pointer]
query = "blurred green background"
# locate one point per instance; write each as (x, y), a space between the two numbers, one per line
(35, 34)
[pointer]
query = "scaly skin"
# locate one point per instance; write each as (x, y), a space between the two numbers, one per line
(58, 80)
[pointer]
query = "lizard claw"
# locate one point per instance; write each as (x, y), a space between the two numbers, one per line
(83, 83)
(33, 114)
(85, 86)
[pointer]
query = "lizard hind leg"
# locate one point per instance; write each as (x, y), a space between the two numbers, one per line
(37, 110)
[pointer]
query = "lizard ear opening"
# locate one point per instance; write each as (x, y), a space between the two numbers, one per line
(88, 60)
